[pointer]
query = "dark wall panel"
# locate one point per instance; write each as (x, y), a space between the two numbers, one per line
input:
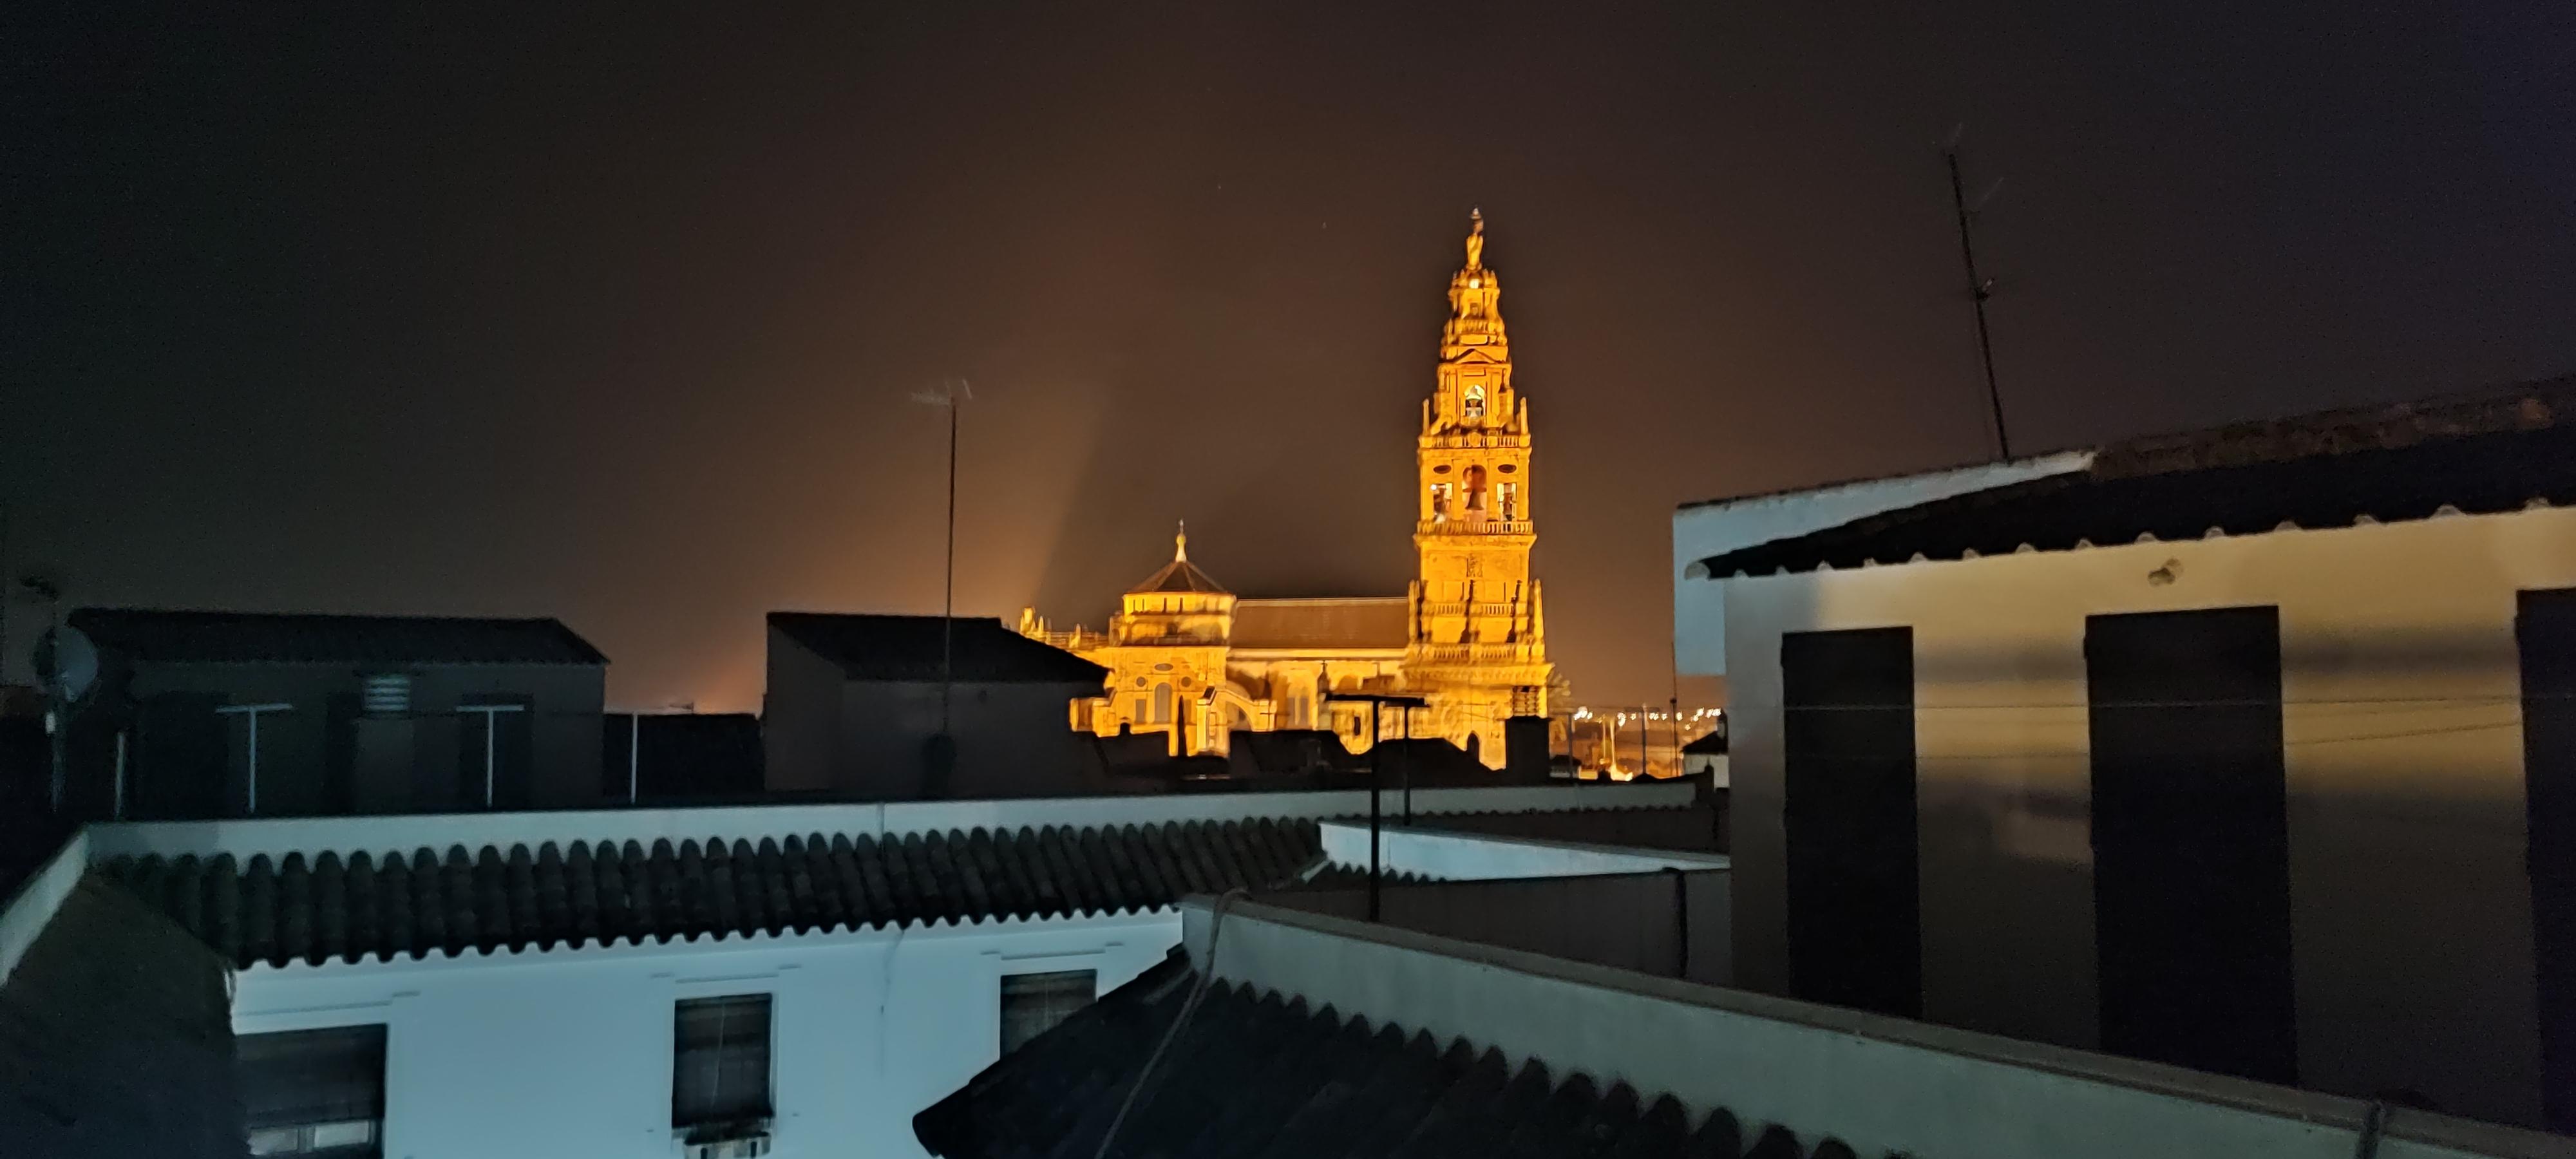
(2546, 629)
(2191, 878)
(1855, 924)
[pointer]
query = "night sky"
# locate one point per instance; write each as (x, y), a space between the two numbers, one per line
(612, 314)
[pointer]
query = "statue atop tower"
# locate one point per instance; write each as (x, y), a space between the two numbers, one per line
(1475, 303)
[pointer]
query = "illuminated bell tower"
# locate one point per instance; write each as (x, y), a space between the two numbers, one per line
(1477, 649)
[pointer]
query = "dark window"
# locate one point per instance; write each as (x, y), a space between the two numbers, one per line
(720, 1062)
(314, 1092)
(180, 761)
(2546, 629)
(2191, 871)
(495, 751)
(339, 754)
(1033, 1003)
(1855, 925)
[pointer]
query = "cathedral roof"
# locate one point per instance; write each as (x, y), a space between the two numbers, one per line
(1368, 622)
(1180, 575)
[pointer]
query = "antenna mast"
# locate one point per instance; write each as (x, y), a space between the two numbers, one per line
(1979, 289)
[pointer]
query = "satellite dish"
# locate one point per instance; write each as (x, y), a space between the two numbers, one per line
(67, 661)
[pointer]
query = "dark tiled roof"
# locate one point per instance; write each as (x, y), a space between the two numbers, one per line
(1712, 743)
(1362, 622)
(258, 637)
(2412, 463)
(1699, 828)
(908, 648)
(116, 1038)
(1329, 876)
(1256, 1075)
(1178, 576)
(332, 907)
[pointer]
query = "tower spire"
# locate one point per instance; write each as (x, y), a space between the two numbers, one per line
(1476, 238)
(1181, 543)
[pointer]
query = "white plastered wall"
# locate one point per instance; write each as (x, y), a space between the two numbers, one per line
(567, 1052)
(2410, 901)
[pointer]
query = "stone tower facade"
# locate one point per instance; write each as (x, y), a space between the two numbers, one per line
(1477, 648)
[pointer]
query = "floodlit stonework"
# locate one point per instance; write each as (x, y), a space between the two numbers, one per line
(1192, 660)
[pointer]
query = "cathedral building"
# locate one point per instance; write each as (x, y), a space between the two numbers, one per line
(1192, 660)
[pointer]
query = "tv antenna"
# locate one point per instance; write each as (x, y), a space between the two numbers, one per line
(952, 394)
(1980, 287)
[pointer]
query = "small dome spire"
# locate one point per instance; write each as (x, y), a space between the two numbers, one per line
(1180, 575)
(1475, 238)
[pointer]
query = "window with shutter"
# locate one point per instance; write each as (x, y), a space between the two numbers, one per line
(720, 1063)
(1033, 1003)
(314, 1093)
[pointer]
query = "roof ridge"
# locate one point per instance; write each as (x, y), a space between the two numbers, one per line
(1321, 600)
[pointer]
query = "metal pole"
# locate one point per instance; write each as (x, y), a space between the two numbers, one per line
(119, 813)
(634, 762)
(59, 705)
(57, 725)
(1681, 922)
(1679, 765)
(491, 725)
(1645, 742)
(1406, 765)
(1979, 289)
(5, 584)
(1377, 799)
(254, 762)
(948, 601)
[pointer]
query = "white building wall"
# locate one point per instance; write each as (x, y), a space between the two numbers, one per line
(568, 1052)
(2410, 903)
(1881, 1085)
(1701, 530)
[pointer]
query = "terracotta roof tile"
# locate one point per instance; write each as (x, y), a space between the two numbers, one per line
(1260, 1075)
(329, 907)
(2485, 456)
